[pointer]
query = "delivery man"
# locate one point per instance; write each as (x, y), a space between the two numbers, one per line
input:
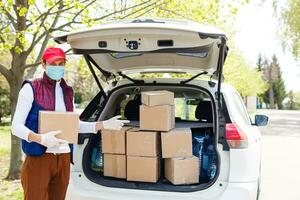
(46, 170)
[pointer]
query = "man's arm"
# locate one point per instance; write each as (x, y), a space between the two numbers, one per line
(23, 107)
(90, 127)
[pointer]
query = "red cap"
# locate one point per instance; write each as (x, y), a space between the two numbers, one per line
(52, 54)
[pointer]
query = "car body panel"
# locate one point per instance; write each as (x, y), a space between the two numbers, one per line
(238, 167)
(168, 45)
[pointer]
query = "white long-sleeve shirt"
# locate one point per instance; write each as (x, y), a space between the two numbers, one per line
(23, 107)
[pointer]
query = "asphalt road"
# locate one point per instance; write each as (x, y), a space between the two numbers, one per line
(281, 156)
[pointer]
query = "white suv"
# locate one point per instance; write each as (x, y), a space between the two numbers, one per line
(127, 54)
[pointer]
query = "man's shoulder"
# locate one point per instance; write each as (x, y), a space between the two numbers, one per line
(33, 80)
(31, 83)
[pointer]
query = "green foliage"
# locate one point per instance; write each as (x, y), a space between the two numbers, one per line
(279, 91)
(221, 14)
(215, 12)
(4, 99)
(4, 89)
(243, 76)
(273, 76)
(290, 25)
(293, 101)
(79, 75)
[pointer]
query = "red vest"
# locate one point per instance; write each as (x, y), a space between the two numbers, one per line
(44, 93)
(44, 99)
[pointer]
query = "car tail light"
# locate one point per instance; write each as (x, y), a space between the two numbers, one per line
(236, 139)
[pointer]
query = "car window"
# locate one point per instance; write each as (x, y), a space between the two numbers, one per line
(185, 106)
(240, 107)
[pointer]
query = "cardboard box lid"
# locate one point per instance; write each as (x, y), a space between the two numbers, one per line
(144, 169)
(114, 165)
(159, 97)
(182, 170)
(67, 122)
(177, 143)
(157, 118)
(142, 143)
(113, 141)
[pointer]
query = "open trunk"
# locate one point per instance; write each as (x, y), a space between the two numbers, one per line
(150, 45)
(194, 109)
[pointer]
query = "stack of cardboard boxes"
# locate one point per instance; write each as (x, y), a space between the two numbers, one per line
(181, 167)
(113, 148)
(157, 111)
(134, 153)
(143, 150)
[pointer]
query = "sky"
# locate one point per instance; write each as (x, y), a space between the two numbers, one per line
(256, 32)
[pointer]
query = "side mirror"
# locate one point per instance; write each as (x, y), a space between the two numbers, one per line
(261, 120)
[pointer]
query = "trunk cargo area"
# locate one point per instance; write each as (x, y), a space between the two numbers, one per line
(191, 171)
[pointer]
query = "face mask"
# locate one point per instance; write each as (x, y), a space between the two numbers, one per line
(55, 72)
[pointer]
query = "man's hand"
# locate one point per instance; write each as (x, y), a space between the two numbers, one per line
(114, 123)
(49, 139)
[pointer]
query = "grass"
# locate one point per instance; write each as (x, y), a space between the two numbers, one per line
(9, 190)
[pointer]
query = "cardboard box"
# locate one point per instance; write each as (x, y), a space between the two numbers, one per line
(142, 143)
(155, 98)
(67, 122)
(113, 141)
(177, 143)
(115, 165)
(182, 170)
(157, 118)
(143, 169)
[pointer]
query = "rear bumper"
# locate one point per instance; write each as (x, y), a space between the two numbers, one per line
(229, 191)
(240, 191)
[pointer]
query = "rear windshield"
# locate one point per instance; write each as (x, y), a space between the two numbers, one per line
(185, 105)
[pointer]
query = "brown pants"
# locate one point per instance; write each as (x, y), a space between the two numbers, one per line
(46, 177)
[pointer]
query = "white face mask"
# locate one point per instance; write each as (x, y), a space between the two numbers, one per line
(55, 72)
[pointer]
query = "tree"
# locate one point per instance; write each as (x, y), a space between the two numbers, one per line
(262, 62)
(4, 90)
(276, 90)
(4, 99)
(243, 76)
(293, 101)
(78, 72)
(218, 13)
(289, 16)
(27, 26)
(279, 87)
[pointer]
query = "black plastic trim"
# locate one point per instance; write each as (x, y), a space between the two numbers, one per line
(131, 79)
(192, 78)
(164, 50)
(93, 72)
(165, 43)
(211, 35)
(104, 72)
(61, 39)
(82, 137)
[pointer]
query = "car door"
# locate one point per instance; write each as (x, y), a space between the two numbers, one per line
(244, 163)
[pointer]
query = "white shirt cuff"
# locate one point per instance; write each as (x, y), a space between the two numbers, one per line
(87, 127)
